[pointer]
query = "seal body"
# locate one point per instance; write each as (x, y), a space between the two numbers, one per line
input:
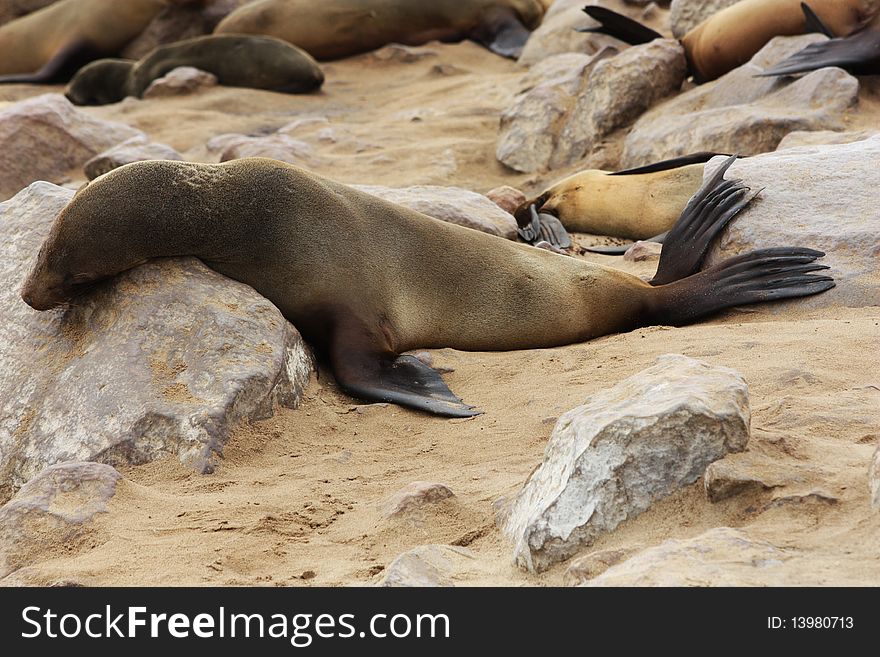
(636, 206)
(257, 62)
(333, 29)
(54, 41)
(364, 279)
(731, 37)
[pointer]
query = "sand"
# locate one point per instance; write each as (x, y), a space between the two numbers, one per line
(296, 499)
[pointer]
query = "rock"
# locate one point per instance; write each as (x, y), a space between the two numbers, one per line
(557, 33)
(277, 146)
(163, 359)
(685, 15)
(747, 472)
(44, 137)
(178, 22)
(414, 496)
(180, 81)
(52, 509)
(740, 113)
(428, 565)
(452, 204)
(643, 251)
(818, 137)
(585, 568)
(507, 198)
(136, 149)
(560, 120)
(718, 557)
(627, 447)
(819, 197)
(874, 480)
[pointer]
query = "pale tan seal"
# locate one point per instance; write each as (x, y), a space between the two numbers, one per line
(332, 29)
(365, 280)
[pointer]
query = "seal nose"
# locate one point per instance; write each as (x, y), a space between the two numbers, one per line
(26, 297)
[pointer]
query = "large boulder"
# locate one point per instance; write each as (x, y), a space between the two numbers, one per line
(452, 204)
(626, 448)
(163, 359)
(568, 112)
(820, 197)
(744, 114)
(685, 15)
(44, 137)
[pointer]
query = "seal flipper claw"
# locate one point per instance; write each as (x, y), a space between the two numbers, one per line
(405, 380)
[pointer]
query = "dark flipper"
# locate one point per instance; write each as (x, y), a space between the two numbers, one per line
(764, 275)
(813, 23)
(60, 68)
(503, 33)
(620, 249)
(544, 227)
(714, 206)
(619, 26)
(404, 380)
(858, 53)
(674, 163)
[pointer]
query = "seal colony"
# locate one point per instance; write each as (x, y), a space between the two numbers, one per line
(237, 60)
(730, 37)
(333, 29)
(365, 280)
(54, 42)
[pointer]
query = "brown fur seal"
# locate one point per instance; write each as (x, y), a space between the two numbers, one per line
(257, 62)
(332, 29)
(52, 43)
(364, 279)
(858, 53)
(731, 37)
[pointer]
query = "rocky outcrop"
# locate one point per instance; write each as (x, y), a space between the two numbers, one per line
(819, 197)
(163, 359)
(626, 448)
(741, 113)
(44, 137)
(136, 149)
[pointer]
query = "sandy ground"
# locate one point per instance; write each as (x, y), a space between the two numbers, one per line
(295, 500)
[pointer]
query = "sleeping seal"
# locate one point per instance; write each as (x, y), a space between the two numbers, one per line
(365, 280)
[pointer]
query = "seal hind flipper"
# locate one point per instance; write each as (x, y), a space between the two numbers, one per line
(619, 26)
(812, 23)
(714, 206)
(672, 163)
(404, 380)
(503, 33)
(544, 227)
(764, 275)
(857, 53)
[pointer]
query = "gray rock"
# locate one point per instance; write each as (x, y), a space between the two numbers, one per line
(591, 565)
(415, 496)
(820, 197)
(627, 447)
(685, 15)
(801, 138)
(180, 81)
(740, 113)
(163, 359)
(429, 565)
(452, 204)
(277, 146)
(719, 557)
(559, 120)
(507, 198)
(874, 480)
(52, 509)
(136, 149)
(44, 137)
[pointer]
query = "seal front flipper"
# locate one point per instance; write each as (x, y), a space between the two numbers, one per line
(812, 23)
(404, 380)
(619, 26)
(502, 32)
(543, 227)
(714, 206)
